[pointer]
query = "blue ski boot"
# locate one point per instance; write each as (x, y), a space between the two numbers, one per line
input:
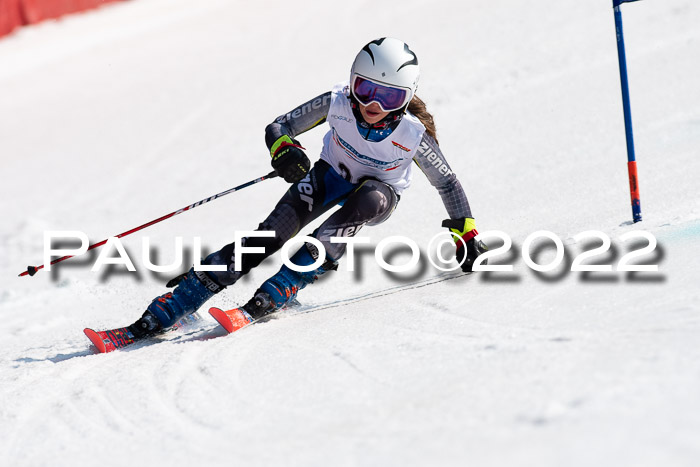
(193, 289)
(282, 288)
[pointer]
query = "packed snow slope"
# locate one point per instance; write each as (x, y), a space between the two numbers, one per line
(115, 117)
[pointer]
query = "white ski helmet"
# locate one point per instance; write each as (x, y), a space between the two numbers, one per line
(385, 71)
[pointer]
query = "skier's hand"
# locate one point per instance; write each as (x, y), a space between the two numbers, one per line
(468, 249)
(289, 160)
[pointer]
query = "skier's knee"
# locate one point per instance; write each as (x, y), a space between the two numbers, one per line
(375, 201)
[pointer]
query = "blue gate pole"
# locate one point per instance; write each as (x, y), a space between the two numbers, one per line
(631, 161)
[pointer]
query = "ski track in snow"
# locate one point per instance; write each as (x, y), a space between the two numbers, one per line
(122, 114)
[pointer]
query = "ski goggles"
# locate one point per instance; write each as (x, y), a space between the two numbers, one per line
(388, 98)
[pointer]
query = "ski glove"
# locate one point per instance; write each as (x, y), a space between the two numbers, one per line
(288, 159)
(469, 249)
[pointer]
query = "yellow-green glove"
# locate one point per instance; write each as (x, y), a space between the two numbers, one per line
(468, 249)
(289, 160)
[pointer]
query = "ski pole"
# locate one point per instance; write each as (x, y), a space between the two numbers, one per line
(631, 159)
(31, 270)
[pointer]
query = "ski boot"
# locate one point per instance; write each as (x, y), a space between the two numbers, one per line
(280, 289)
(275, 293)
(191, 291)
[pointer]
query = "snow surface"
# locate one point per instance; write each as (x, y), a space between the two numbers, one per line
(111, 118)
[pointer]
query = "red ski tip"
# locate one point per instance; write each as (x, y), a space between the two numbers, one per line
(113, 339)
(96, 340)
(231, 320)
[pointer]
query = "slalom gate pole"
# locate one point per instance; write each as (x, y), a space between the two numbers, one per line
(31, 270)
(631, 160)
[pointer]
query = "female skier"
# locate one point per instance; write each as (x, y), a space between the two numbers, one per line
(378, 128)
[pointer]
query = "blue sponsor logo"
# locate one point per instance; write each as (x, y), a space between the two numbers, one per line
(365, 160)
